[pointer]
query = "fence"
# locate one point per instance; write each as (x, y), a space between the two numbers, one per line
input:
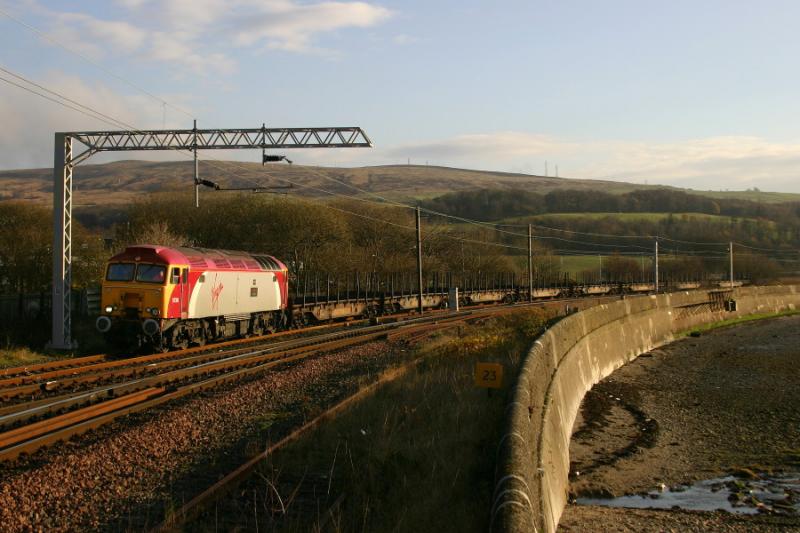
(85, 302)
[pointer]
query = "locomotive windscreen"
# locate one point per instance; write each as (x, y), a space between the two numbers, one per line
(120, 272)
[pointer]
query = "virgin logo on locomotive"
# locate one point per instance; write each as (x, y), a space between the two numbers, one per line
(216, 290)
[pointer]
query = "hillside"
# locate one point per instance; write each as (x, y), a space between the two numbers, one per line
(123, 181)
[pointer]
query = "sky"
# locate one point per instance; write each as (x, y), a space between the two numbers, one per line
(700, 94)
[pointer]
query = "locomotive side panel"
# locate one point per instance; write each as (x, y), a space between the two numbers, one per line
(234, 293)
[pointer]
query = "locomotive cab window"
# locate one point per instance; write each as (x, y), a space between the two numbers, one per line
(151, 273)
(176, 276)
(120, 272)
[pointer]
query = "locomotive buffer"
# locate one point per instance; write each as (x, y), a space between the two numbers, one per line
(64, 161)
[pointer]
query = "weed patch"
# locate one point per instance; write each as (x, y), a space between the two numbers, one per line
(12, 356)
(418, 455)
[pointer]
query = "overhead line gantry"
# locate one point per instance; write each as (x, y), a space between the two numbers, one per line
(65, 160)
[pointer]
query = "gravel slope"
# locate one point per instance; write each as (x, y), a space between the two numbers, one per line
(126, 475)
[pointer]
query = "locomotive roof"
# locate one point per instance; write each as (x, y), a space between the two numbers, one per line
(200, 257)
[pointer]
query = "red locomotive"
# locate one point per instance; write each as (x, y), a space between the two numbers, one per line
(172, 297)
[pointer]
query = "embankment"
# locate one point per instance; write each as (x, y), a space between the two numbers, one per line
(566, 361)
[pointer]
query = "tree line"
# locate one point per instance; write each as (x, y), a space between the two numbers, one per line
(493, 205)
(344, 236)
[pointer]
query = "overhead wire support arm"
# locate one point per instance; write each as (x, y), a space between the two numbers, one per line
(223, 139)
(197, 181)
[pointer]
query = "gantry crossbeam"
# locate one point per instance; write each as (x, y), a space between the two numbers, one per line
(205, 139)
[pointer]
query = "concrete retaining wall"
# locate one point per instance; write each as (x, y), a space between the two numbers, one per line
(565, 362)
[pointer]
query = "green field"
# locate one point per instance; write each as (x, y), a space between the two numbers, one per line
(756, 196)
(576, 264)
(627, 217)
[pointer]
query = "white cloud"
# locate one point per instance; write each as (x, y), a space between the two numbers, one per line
(121, 35)
(404, 39)
(177, 47)
(95, 37)
(290, 26)
(733, 162)
(132, 4)
(24, 146)
(504, 145)
(195, 35)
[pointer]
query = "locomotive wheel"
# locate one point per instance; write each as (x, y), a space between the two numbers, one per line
(200, 340)
(162, 348)
(181, 344)
(178, 339)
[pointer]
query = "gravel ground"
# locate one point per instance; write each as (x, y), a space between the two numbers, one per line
(128, 474)
(605, 519)
(725, 402)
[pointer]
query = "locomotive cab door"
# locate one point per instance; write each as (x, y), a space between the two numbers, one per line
(185, 293)
(181, 279)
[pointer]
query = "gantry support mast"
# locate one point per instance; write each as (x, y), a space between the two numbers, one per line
(64, 161)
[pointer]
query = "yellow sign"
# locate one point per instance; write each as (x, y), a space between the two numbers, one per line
(489, 375)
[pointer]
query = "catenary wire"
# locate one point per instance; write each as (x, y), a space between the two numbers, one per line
(88, 111)
(94, 63)
(397, 204)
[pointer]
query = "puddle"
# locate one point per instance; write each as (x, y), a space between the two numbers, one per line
(775, 494)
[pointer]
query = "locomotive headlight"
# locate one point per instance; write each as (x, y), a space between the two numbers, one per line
(153, 311)
(109, 309)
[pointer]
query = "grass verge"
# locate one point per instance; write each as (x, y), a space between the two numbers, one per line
(418, 455)
(24, 341)
(13, 356)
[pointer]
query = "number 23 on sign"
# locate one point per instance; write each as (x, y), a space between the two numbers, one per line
(489, 375)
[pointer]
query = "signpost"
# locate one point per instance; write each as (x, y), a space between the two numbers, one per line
(489, 375)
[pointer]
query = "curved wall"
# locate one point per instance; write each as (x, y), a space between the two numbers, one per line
(564, 363)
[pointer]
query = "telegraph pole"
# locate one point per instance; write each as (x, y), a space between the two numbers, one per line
(730, 250)
(196, 174)
(600, 257)
(419, 261)
(655, 271)
(530, 263)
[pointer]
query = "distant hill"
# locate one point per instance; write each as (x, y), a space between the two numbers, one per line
(123, 181)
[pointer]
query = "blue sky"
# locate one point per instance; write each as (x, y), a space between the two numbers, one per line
(698, 94)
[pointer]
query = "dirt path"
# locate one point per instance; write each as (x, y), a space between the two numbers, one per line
(703, 407)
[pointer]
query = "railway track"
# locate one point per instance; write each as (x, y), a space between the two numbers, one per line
(56, 401)
(27, 384)
(150, 381)
(38, 373)
(212, 430)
